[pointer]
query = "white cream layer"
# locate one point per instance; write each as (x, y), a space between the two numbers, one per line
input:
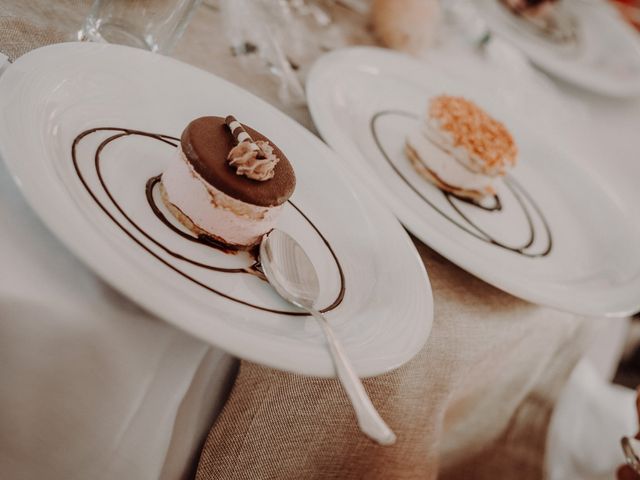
(213, 211)
(448, 169)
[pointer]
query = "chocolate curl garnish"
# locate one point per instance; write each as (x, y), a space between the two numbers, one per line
(241, 135)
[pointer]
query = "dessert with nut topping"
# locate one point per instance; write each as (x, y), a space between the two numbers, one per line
(530, 8)
(227, 182)
(460, 148)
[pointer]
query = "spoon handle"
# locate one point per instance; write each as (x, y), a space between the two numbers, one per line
(369, 420)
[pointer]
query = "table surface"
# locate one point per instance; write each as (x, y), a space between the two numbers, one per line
(94, 387)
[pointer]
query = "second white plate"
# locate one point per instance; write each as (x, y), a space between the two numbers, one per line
(603, 56)
(560, 238)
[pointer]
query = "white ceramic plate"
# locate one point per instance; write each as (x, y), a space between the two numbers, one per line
(604, 56)
(51, 95)
(569, 244)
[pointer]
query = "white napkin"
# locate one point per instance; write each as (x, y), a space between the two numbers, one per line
(4, 61)
(92, 386)
(589, 419)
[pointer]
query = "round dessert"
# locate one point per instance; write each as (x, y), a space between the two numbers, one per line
(460, 148)
(546, 19)
(532, 8)
(227, 182)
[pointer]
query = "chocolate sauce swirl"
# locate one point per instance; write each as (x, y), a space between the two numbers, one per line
(253, 269)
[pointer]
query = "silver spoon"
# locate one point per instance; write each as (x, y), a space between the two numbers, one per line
(291, 273)
(631, 449)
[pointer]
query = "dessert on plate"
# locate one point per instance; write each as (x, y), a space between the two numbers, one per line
(546, 18)
(227, 182)
(460, 148)
(530, 8)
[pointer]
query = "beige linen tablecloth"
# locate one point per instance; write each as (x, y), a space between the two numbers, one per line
(474, 403)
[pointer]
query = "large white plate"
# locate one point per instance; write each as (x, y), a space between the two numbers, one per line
(584, 256)
(51, 95)
(605, 57)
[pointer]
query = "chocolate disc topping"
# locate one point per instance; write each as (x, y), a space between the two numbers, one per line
(206, 142)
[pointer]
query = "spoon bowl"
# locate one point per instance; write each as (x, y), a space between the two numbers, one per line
(288, 269)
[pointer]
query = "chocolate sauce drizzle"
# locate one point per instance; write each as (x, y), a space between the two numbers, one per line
(253, 269)
(496, 206)
(525, 202)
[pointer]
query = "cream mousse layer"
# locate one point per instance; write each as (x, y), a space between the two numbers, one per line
(214, 212)
(447, 162)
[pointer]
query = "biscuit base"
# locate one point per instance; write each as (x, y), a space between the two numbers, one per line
(424, 171)
(195, 229)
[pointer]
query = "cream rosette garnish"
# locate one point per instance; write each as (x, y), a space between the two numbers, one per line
(255, 160)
